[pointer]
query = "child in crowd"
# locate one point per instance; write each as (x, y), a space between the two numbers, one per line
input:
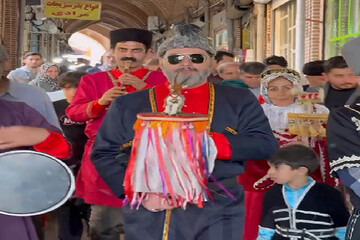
(298, 207)
(71, 214)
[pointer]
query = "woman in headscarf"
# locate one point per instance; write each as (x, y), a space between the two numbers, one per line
(278, 88)
(47, 77)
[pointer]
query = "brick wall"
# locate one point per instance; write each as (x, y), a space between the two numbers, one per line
(268, 30)
(314, 30)
(9, 28)
(237, 34)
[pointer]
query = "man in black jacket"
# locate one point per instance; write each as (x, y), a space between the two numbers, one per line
(341, 82)
(343, 140)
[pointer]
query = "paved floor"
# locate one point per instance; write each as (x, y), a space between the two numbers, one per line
(51, 229)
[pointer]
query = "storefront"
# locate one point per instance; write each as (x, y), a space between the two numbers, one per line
(284, 29)
(219, 27)
(248, 38)
(341, 24)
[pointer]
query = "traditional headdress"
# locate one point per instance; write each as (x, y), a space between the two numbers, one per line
(131, 34)
(272, 74)
(186, 36)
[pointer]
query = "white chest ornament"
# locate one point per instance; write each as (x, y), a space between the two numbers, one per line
(175, 101)
(172, 156)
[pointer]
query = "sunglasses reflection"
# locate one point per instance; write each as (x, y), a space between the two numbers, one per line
(178, 58)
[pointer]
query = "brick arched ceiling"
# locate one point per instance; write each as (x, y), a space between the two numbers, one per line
(126, 13)
(116, 13)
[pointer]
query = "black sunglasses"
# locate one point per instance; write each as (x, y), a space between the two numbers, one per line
(178, 58)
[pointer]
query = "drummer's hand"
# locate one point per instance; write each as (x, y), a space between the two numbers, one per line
(18, 136)
(156, 202)
(129, 79)
(111, 94)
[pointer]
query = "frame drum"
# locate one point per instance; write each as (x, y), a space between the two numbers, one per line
(33, 183)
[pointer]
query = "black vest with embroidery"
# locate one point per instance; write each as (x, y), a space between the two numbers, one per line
(343, 137)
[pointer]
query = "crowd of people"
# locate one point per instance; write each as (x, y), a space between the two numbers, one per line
(268, 182)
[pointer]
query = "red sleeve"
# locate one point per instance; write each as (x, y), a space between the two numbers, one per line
(84, 106)
(95, 109)
(223, 146)
(155, 78)
(54, 145)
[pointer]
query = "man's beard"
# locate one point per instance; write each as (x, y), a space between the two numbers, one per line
(345, 86)
(187, 80)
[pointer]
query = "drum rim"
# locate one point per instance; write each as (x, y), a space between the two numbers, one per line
(60, 203)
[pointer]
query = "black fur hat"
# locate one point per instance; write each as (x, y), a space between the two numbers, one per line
(131, 34)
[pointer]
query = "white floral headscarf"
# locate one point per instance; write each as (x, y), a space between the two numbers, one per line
(272, 74)
(41, 77)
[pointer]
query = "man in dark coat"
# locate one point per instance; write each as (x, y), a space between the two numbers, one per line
(239, 129)
(343, 140)
(341, 86)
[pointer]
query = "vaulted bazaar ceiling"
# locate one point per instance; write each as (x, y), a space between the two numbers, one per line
(132, 13)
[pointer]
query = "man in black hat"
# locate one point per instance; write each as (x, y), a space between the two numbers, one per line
(239, 129)
(314, 74)
(93, 97)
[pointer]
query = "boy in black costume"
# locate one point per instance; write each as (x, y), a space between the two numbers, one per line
(298, 207)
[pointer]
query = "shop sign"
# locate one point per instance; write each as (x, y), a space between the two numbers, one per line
(83, 10)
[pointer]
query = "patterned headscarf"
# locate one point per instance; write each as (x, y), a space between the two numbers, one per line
(272, 74)
(43, 78)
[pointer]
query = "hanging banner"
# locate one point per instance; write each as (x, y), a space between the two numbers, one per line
(83, 10)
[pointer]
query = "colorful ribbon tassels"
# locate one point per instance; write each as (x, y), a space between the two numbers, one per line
(172, 156)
